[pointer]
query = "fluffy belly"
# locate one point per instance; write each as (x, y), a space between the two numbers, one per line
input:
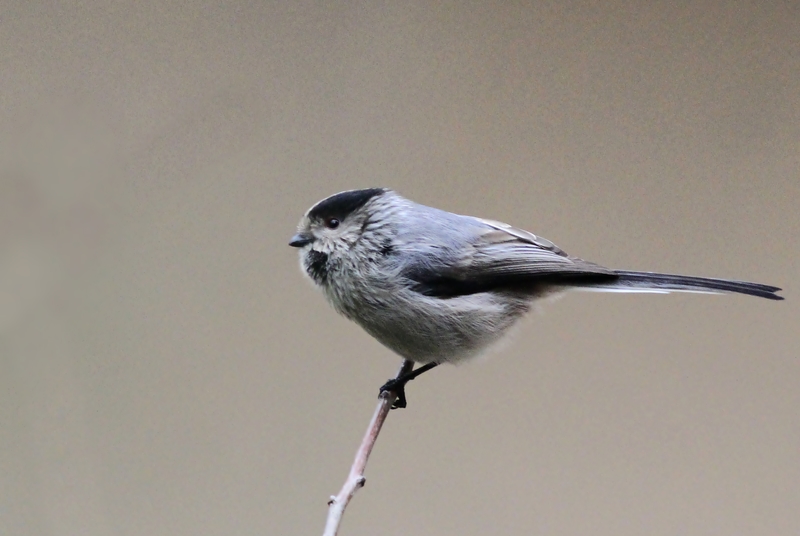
(444, 330)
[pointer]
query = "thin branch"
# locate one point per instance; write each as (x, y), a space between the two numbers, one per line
(355, 480)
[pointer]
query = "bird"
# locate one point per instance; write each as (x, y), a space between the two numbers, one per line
(437, 287)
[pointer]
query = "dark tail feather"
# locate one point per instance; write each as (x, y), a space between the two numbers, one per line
(667, 282)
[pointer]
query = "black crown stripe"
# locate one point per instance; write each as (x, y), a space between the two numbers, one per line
(343, 204)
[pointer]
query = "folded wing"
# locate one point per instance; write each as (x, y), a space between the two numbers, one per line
(504, 257)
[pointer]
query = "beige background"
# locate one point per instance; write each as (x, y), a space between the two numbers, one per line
(166, 369)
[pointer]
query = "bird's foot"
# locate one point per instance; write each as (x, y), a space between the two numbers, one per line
(398, 385)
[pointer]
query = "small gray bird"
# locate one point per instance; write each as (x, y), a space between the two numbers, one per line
(439, 287)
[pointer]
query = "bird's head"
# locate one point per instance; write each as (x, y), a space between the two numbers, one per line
(331, 227)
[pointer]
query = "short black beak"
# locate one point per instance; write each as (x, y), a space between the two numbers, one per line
(300, 239)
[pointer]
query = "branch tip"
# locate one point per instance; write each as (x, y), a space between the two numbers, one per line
(356, 480)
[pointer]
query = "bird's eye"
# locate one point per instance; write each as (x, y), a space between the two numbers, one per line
(332, 223)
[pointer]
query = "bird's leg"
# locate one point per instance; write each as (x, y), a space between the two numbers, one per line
(398, 385)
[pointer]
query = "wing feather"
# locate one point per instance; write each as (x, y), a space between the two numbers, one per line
(503, 257)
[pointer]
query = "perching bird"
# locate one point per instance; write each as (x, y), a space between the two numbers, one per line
(439, 287)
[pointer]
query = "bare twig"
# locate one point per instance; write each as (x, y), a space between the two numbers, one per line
(355, 479)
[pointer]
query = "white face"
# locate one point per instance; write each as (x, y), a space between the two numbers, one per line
(329, 229)
(331, 234)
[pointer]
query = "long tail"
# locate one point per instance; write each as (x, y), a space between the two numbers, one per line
(664, 283)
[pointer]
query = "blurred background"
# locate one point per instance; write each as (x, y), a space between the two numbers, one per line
(165, 368)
